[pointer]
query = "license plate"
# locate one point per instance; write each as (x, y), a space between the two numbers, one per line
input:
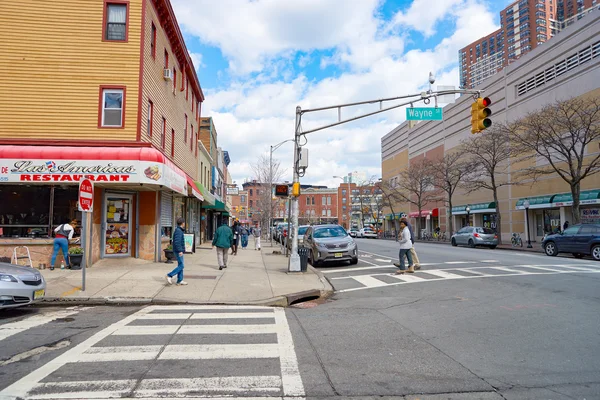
(38, 294)
(339, 255)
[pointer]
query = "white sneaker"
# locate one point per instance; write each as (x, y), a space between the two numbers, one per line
(169, 280)
(182, 283)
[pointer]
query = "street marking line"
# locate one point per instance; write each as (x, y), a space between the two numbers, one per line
(469, 270)
(219, 351)
(290, 371)
(232, 315)
(443, 274)
(383, 260)
(508, 270)
(207, 307)
(368, 281)
(226, 329)
(70, 292)
(21, 387)
(489, 261)
(12, 328)
(120, 353)
(166, 316)
(543, 268)
(332, 271)
(408, 278)
(579, 268)
(147, 330)
(461, 262)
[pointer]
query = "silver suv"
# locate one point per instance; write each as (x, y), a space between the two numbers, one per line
(329, 243)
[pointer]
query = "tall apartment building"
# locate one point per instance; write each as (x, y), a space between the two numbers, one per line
(524, 25)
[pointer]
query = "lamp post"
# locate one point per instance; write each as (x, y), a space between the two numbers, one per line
(526, 205)
(349, 202)
(468, 215)
(431, 222)
(273, 148)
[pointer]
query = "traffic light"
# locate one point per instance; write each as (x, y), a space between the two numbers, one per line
(480, 114)
(296, 189)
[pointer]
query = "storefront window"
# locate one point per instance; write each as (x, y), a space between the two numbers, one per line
(552, 221)
(34, 211)
(489, 221)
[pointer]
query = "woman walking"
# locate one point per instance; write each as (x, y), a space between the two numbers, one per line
(405, 246)
(236, 237)
(64, 233)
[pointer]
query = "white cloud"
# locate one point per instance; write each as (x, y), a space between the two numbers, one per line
(252, 114)
(197, 60)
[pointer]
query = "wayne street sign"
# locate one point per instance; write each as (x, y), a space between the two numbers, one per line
(424, 114)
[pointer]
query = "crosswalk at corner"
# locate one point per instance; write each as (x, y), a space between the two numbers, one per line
(208, 352)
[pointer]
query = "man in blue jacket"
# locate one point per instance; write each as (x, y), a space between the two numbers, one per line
(178, 249)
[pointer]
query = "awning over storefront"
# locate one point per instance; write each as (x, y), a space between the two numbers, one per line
(424, 213)
(536, 202)
(209, 199)
(586, 197)
(226, 214)
(218, 206)
(479, 208)
(193, 190)
(104, 165)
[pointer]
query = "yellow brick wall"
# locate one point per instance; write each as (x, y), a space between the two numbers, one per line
(53, 63)
(173, 106)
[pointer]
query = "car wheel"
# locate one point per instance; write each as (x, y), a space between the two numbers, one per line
(492, 247)
(550, 249)
(577, 255)
(471, 243)
(454, 242)
(354, 261)
(596, 252)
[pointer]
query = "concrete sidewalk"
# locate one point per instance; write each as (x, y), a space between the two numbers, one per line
(252, 277)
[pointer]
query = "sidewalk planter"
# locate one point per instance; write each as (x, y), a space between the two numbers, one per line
(75, 257)
(169, 255)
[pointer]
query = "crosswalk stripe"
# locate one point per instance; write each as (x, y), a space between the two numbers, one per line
(368, 281)
(147, 330)
(290, 371)
(232, 315)
(461, 262)
(408, 278)
(226, 329)
(166, 316)
(120, 353)
(489, 261)
(443, 274)
(13, 328)
(219, 351)
(383, 260)
(542, 268)
(508, 270)
(579, 268)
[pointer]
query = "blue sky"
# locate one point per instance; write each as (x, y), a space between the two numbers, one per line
(258, 59)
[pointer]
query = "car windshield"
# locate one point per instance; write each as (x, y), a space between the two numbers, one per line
(486, 231)
(333, 231)
(302, 230)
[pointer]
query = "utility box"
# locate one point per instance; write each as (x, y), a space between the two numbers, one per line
(303, 161)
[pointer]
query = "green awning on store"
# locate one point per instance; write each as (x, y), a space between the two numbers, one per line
(209, 199)
(226, 214)
(474, 208)
(536, 202)
(586, 197)
(218, 206)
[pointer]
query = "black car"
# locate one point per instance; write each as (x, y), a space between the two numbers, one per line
(580, 240)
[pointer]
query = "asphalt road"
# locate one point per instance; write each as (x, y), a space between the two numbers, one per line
(472, 324)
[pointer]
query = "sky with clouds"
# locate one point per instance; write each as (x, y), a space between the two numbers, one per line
(259, 59)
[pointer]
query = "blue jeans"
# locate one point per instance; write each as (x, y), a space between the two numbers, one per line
(60, 244)
(178, 269)
(405, 252)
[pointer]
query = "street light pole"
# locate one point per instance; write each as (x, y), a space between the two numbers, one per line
(468, 215)
(526, 205)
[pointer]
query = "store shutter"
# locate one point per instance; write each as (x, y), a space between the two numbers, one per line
(166, 209)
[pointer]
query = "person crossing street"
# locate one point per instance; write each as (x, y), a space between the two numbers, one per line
(178, 250)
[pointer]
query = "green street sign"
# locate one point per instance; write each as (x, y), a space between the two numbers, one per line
(424, 114)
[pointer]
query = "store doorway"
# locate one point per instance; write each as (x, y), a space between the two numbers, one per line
(117, 225)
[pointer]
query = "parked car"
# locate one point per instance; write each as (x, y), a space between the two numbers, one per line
(20, 286)
(580, 240)
(367, 233)
(473, 236)
(353, 233)
(329, 243)
(301, 231)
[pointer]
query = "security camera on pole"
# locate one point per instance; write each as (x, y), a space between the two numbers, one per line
(412, 113)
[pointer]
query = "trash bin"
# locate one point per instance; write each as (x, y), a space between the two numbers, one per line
(303, 252)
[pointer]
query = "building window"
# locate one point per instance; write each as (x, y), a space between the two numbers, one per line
(323, 213)
(150, 117)
(187, 88)
(308, 201)
(173, 143)
(328, 200)
(258, 192)
(112, 107)
(329, 213)
(115, 16)
(174, 80)
(196, 145)
(313, 201)
(163, 133)
(243, 198)
(250, 194)
(250, 201)
(185, 130)
(166, 66)
(323, 200)
(343, 192)
(153, 42)
(191, 138)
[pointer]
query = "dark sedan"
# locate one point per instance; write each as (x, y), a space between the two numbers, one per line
(580, 240)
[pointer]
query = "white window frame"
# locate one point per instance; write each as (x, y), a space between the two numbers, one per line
(110, 91)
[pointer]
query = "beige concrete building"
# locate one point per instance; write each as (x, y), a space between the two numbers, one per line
(566, 67)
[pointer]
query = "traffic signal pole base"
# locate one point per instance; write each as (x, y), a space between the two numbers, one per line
(294, 265)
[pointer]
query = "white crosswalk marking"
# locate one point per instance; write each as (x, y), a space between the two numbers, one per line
(368, 281)
(13, 328)
(186, 333)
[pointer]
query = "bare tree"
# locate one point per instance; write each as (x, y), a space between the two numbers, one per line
(559, 134)
(449, 172)
(488, 167)
(389, 199)
(264, 173)
(416, 186)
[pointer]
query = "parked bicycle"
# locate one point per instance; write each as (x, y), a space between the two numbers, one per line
(516, 240)
(441, 237)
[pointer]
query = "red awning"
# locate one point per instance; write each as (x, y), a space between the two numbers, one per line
(424, 213)
(115, 165)
(193, 189)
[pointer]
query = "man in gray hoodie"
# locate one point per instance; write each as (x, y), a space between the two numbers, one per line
(415, 258)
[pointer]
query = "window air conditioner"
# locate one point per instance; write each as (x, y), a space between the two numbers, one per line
(168, 74)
